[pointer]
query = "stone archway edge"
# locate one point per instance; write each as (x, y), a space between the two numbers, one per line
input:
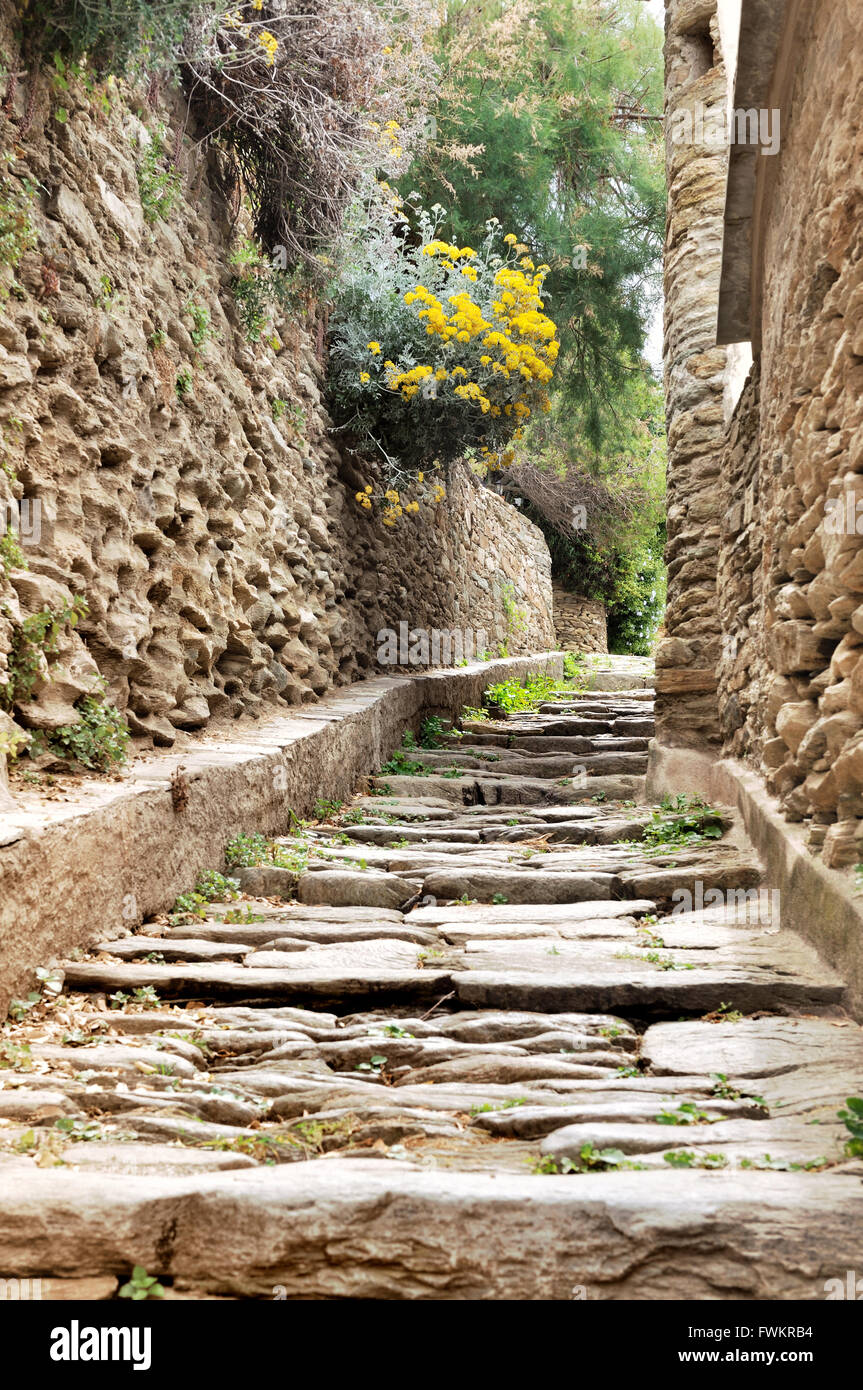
(816, 902)
(75, 873)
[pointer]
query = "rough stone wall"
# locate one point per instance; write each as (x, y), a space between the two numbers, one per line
(687, 656)
(807, 673)
(579, 623)
(740, 582)
(214, 534)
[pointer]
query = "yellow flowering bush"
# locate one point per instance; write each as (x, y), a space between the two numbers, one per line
(440, 350)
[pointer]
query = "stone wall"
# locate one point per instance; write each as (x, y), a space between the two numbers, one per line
(781, 623)
(213, 532)
(797, 483)
(686, 658)
(741, 582)
(579, 623)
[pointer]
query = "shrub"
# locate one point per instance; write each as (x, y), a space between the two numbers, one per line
(440, 349)
(296, 98)
(115, 35)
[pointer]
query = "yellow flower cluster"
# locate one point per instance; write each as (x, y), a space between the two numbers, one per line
(522, 338)
(269, 43)
(470, 391)
(407, 382)
(396, 504)
(389, 139)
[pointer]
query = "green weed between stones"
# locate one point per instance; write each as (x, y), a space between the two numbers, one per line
(589, 1160)
(852, 1118)
(680, 822)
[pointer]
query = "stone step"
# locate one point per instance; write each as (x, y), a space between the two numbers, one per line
(374, 1015)
(404, 1233)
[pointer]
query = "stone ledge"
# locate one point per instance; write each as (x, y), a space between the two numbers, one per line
(816, 902)
(79, 872)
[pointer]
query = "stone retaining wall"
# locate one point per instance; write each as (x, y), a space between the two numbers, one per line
(184, 480)
(579, 623)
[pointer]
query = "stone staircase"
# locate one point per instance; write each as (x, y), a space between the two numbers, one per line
(475, 1053)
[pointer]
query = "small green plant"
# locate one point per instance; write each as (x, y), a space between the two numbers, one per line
(183, 383)
(682, 821)
(32, 642)
(17, 229)
(259, 289)
(142, 1286)
(326, 810)
(550, 1165)
(106, 296)
(722, 1087)
(236, 916)
(99, 739)
(728, 1014)
(400, 765)
(254, 850)
(852, 1118)
(573, 667)
(202, 328)
(293, 415)
(147, 996)
(158, 338)
(11, 554)
(589, 1160)
(516, 618)
(77, 1130)
(375, 1064)
(15, 1056)
(685, 1158)
(500, 898)
(118, 1000)
(514, 695)
(159, 181)
(211, 887)
(432, 732)
(784, 1165)
(685, 1114)
(216, 887)
(474, 715)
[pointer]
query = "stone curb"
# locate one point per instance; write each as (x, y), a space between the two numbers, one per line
(74, 874)
(816, 902)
